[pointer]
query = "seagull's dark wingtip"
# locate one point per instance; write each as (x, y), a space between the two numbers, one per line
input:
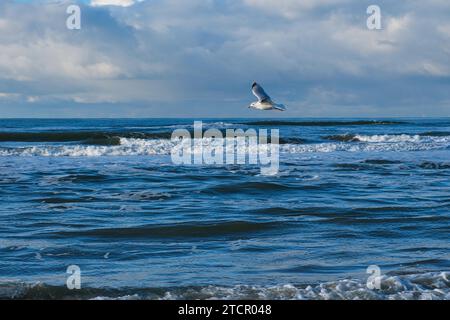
(254, 84)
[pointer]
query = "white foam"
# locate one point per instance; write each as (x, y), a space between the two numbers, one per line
(374, 143)
(336, 147)
(127, 147)
(427, 286)
(421, 286)
(389, 138)
(148, 147)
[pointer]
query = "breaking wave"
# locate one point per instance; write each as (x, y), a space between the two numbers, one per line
(147, 147)
(106, 138)
(83, 137)
(126, 147)
(424, 286)
(388, 138)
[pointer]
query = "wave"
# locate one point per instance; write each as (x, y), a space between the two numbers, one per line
(149, 147)
(104, 138)
(254, 187)
(387, 138)
(436, 134)
(292, 140)
(381, 161)
(85, 137)
(342, 138)
(126, 147)
(434, 165)
(365, 147)
(182, 230)
(321, 123)
(419, 286)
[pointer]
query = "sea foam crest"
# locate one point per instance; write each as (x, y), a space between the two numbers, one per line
(427, 286)
(127, 147)
(422, 286)
(148, 147)
(390, 138)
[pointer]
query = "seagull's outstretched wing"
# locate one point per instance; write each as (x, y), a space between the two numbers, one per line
(259, 92)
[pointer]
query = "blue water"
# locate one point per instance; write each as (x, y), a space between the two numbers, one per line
(105, 195)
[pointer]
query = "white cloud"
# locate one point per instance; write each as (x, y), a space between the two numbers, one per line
(8, 95)
(33, 99)
(200, 52)
(434, 69)
(291, 8)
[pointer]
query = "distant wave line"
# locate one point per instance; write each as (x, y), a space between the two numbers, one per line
(321, 123)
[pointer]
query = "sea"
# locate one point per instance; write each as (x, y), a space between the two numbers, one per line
(359, 209)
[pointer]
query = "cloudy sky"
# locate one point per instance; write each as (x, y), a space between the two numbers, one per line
(198, 58)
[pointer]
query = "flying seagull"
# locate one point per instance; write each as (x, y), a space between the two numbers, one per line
(264, 101)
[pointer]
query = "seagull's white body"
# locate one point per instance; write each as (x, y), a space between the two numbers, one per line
(267, 106)
(264, 101)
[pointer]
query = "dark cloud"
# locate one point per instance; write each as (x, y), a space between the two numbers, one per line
(198, 58)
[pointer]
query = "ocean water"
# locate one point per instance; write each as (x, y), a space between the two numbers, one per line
(105, 195)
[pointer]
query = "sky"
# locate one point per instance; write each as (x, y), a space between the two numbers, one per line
(198, 58)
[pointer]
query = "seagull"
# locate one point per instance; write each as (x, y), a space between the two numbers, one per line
(264, 101)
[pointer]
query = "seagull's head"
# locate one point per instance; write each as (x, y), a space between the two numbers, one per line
(252, 105)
